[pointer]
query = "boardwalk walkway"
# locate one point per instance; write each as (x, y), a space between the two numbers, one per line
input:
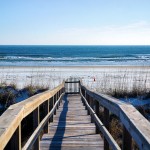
(72, 128)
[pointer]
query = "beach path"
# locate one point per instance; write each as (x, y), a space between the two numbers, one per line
(71, 128)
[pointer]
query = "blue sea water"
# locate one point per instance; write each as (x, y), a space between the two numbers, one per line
(74, 55)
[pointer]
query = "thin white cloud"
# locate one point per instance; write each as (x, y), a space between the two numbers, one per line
(135, 33)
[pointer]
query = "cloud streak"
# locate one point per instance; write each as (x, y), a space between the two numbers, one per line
(137, 33)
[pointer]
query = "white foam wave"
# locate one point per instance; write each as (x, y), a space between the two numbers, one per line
(26, 58)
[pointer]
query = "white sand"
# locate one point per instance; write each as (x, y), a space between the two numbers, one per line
(105, 76)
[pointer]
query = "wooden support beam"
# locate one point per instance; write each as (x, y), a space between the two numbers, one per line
(97, 108)
(84, 92)
(15, 141)
(58, 93)
(97, 113)
(85, 95)
(88, 103)
(46, 111)
(92, 106)
(127, 140)
(51, 106)
(62, 91)
(55, 98)
(36, 121)
(59, 96)
(106, 123)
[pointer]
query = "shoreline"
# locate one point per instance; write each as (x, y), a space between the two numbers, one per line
(105, 66)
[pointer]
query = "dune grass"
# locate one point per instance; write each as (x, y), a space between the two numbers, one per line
(123, 84)
(9, 93)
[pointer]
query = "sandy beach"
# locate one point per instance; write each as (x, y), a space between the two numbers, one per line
(104, 76)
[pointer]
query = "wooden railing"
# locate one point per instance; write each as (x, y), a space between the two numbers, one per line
(134, 124)
(11, 120)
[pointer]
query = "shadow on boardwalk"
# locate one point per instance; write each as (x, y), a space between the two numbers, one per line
(60, 131)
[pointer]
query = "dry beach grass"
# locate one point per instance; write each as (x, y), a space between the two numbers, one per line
(108, 78)
(118, 81)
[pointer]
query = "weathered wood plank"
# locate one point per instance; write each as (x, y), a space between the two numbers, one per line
(36, 121)
(15, 142)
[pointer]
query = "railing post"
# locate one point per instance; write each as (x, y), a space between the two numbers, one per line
(15, 141)
(127, 140)
(106, 123)
(36, 120)
(55, 98)
(59, 96)
(82, 98)
(97, 113)
(85, 94)
(46, 111)
(62, 91)
(88, 99)
(92, 106)
(85, 97)
(51, 107)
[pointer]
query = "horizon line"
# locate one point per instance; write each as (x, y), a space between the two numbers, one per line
(72, 45)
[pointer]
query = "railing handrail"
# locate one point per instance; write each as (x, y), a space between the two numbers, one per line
(134, 122)
(12, 117)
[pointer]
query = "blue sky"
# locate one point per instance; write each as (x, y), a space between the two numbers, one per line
(77, 22)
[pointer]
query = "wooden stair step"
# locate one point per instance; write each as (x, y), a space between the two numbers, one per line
(71, 122)
(70, 114)
(86, 138)
(83, 112)
(71, 108)
(76, 125)
(71, 101)
(74, 101)
(63, 133)
(73, 129)
(73, 148)
(71, 143)
(72, 117)
(70, 111)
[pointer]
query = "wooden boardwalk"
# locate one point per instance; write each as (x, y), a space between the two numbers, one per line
(71, 128)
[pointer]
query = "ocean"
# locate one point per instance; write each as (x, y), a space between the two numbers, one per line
(74, 55)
